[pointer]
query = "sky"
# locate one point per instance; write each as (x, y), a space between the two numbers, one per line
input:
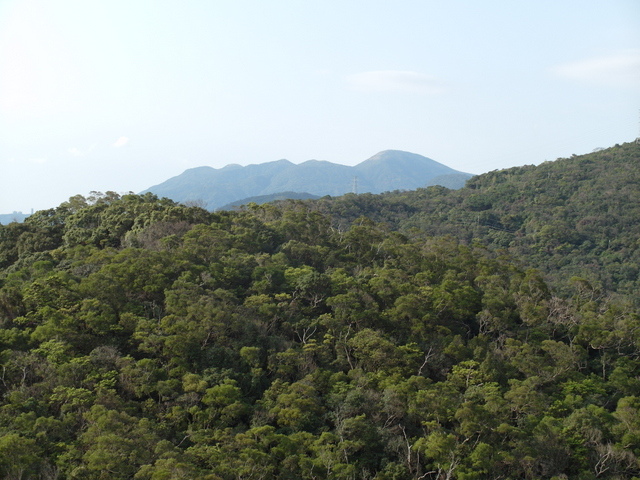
(121, 95)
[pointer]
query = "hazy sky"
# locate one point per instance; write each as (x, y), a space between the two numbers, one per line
(122, 95)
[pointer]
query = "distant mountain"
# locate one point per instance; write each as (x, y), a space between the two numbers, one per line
(7, 218)
(260, 199)
(386, 171)
(397, 170)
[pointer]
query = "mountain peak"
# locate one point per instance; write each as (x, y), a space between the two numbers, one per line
(386, 153)
(231, 166)
(397, 156)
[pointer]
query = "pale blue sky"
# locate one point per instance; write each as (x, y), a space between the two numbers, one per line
(122, 95)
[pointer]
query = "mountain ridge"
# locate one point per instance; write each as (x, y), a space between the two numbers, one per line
(387, 170)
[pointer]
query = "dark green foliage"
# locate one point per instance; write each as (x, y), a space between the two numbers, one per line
(148, 340)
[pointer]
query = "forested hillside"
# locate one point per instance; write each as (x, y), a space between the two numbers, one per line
(145, 339)
(576, 217)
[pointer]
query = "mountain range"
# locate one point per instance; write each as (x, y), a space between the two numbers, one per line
(386, 171)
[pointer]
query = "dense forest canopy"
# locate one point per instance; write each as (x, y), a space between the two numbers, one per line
(491, 332)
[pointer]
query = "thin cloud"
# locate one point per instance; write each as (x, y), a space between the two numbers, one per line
(76, 152)
(121, 142)
(39, 160)
(395, 81)
(618, 70)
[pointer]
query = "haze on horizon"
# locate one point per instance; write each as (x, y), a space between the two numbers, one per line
(124, 95)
